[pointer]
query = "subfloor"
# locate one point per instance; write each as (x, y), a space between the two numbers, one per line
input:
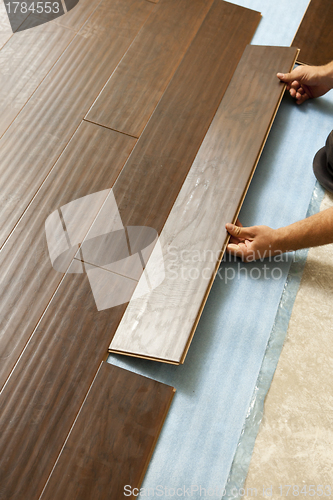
(294, 443)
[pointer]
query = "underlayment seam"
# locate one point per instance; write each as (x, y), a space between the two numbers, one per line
(245, 446)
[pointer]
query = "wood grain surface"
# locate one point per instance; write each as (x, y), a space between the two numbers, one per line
(113, 437)
(90, 163)
(314, 35)
(47, 387)
(132, 93)
(161, 324)
(25, 60)
(34, 141)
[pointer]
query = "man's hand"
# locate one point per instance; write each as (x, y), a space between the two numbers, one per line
(251, 243)
(307, 82)
(259, 242)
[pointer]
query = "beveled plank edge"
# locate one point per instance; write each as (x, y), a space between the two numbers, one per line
(306, 10)
(145, 466)
(109, 128)
(141, 356)
(210, 284)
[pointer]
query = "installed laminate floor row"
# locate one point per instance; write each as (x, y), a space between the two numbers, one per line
(91, 162)
(113, 437)
(49, 383)
(37, 137)
(161, 324)
(314, 35)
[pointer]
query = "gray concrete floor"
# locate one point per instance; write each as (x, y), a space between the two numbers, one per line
(294, 445)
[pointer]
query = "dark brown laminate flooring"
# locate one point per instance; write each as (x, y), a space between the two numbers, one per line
(90, 163)
(49, 383)
(113, 438)
(132, 93)
(34, 141)
(314, 35)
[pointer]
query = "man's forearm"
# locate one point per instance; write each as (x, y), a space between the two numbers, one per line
(311, 232)
(326, 72)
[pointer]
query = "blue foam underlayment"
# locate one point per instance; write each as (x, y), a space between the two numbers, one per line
(215, 386)
(254, 416)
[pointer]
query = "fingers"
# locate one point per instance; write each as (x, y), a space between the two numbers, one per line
(301, 97)
(241, 250)
(299, 92)
(235, 250)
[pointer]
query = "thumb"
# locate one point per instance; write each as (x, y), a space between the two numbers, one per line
(239, 232)
(298, 74)
(286, 77)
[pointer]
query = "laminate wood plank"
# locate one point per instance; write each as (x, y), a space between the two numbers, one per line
(90, 163)
(314, 35)
(113, 438)
(48, 385)
(34, 141)
(25, 60)
(161, 324)
(132, 93)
